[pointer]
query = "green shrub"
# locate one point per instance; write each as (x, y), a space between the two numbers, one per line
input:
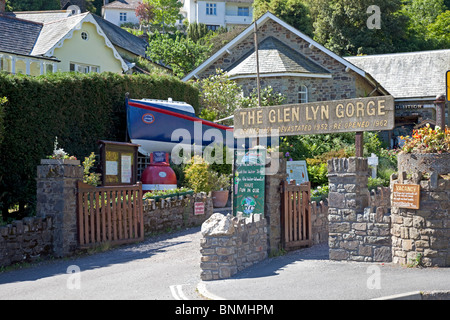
(79, 109)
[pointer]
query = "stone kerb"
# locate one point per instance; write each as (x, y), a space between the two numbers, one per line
(231, 244)
(422, 236)
(357, 232)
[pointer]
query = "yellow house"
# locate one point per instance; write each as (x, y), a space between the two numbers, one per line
(80, 45)
(36, 43)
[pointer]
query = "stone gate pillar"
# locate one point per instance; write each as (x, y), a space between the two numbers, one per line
(57, 198)
(355, 232)
(272, 202)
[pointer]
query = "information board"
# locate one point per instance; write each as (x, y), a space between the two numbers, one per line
(406, 196)
(297, 171)
(249, 182)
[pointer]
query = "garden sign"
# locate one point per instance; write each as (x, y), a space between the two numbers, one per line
(249, 182)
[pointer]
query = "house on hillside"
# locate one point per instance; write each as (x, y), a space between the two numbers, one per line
(48, 41)
(213, 13)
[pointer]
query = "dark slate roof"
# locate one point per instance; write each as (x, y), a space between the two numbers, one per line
(274, 57)
(408, 75)
(123, 4)
(17, 35)
(122, 38)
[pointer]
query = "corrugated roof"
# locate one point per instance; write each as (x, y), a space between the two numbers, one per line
(406, 75)
(17, 35)
(274, 57)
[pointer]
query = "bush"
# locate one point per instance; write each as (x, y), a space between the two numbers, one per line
(79, 109)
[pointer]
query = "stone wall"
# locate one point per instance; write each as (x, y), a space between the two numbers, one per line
(342, 85)
(175, 213)
(422, 236)
(357, 232)
(26, 240)
(231, 244)
(319, 221)
(57, 199)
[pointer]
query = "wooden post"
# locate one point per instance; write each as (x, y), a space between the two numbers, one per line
(359, 144)
(440, 111)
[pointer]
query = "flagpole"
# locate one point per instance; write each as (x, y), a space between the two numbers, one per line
(254, 141)
(258, 86)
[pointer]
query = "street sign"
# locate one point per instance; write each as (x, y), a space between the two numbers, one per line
(349, 115)
(249, 182)
(199, 208)
(447, 82)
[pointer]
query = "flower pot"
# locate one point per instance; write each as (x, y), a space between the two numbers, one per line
(220, 198)
(424, 162)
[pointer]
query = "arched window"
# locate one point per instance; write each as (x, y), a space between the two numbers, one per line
(302, 94)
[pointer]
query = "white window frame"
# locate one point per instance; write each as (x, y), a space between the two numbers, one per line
(211, 9)
(245, 10)
(85, 67)
(303, 94)
(123, 17)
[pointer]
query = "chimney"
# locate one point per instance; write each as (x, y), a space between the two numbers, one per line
(2, 6)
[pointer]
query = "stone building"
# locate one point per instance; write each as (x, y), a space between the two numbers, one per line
(414, 79)
(290, 62)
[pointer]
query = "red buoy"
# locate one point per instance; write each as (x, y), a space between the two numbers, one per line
(158, 175)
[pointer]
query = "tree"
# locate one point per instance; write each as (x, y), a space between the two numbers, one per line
(424, 28)
(166, 12)
(196, 31)
(439, 30)
(293, 12)
(341, 25)
(32, 5)
(180, 53)
(145, 13)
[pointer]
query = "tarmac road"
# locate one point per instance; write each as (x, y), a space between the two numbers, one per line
(308, 274)
(163, 267)
(167, 267)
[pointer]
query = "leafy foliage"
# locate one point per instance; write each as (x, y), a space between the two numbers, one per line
(165, 12)
(89, 177)
(180, 53)
(79, 109)
(145, 13)
(293, 12)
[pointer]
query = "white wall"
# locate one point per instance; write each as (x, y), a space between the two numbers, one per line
(113, 16)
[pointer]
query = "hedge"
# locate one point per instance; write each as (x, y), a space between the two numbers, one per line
(79, 109)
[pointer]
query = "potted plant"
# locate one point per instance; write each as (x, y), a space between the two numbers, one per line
(426, 150)
(59, 156)
(220, 190)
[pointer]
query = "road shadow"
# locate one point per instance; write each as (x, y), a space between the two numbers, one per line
(146, 249)
(272, 266)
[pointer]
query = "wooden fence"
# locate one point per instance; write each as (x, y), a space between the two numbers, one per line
(296, 215)
(110, 214)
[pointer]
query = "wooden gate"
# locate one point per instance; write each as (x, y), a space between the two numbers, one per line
(295, 215)
(110, 214)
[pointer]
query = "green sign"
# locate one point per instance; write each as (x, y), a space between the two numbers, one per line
(249, 182)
